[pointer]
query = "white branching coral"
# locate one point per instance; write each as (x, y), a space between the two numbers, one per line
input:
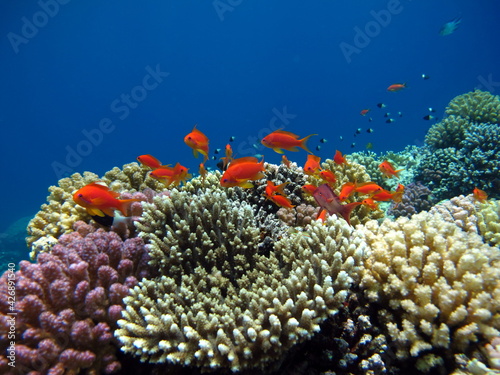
(220, 302)
(440, 284)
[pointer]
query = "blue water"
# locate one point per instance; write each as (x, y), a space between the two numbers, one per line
(237, 70)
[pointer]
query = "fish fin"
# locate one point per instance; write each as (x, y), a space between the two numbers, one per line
(279, 150)
(347, 209)
(105, 188)
(92, 211)
(303, 143)
(195, 152)
(258, 176)
(245, 159)
(124, 205)
(245, 185)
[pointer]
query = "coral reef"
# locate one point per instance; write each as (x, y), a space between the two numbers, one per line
(415, 199)
(476, 106)
(459, 210)
(488, 222)
(69, 301)
(220, 303)
(438, 287)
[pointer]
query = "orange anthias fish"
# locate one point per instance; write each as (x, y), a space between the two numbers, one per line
(364, 112)
(370, 203)
(312, 165)
(384, 195)
(367, 188)
(280, 140)
(480, 195)
(328, 177)
(347, 190)
(285, 161)
(339, 158)
(99, 200)
(198, 142)
(396, 87)
(281, 201)
(272, 189)
(169, 175)
(241, 170)
(150, 161)
(203, 172)
(309, 189)
(229, 156)
(388, 169)
(326, 199)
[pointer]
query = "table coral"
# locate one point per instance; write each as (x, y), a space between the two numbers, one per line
(221, 303)
(439, 285)
(69, 301)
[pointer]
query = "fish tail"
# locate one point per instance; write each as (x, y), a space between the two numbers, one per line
(303, 143)
(347, 209)
(125, 204)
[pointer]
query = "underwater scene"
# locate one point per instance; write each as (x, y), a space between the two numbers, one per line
(250, 187)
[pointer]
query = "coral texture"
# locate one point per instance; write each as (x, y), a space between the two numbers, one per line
(221, 303)
(69, 301)
(488, 222)
(440, 286)
(415, 199)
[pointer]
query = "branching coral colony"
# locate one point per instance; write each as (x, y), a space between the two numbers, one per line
(221, 279)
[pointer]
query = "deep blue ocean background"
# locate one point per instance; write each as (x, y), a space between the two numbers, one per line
(236, 68)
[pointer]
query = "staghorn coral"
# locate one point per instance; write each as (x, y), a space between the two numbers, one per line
(438, 287)
(69, 301)
(221, 303)
(476, 106)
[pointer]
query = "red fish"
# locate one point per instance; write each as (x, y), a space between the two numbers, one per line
(364, 112)
(169, 175)
(99, 200)
(312, 165)
(241, 170)
(284, 160)
(338, 158)
(480, 195)
(281, 201)
(367, 188)
(150, 161)
(370, 203)
(384, 195)
(347, 190)
(198, 142)
(326, 199)
(328, 177)
(280, 140)
(229, 156)
(309, 189)
(388, 169)
(396, 87)
(272, 189)
(203, 172)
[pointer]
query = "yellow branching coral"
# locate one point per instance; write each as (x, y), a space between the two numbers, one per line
(488, 222)
(220, 302)
(440, 284)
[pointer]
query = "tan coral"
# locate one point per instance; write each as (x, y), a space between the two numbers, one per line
(440, 284)
(488, 217)
(460, 210)
(476, 106)
(222, 304)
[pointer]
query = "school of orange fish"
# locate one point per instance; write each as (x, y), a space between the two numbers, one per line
(99, 200)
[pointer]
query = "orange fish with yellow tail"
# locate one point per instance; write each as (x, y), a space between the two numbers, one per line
(150, 161)
(312, 165)
(388, 169)
(241, 171)
(280, 140)
(480, 195)
(338, 158)
(198, 142)
(99, 200)
(171, 175)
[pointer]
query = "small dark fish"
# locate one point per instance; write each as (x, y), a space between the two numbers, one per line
(389, 120)
(231, 139)
(214, 158)
(431, 109)
(400, 114)
(369, 130)
(318, 147)
(323, 140)
(381, 105)
(105, 220)
(370, 119)
(358, 131)
(353, 145)
(217, 150)
(341, 138)
(425, 76)
(450, 27)
(387, 114)
(369, 146)
(428, 117)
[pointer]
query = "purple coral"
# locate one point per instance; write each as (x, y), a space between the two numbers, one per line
(415, 200)
(68, 303)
